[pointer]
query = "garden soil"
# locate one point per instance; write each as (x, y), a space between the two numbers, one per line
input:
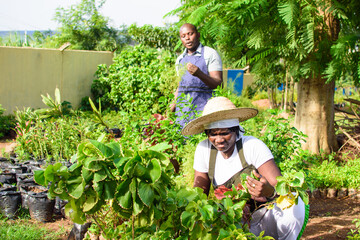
(330, 218)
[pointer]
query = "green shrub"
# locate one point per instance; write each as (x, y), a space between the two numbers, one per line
(6, 123)
(328, 172)
(52, 138)
(135, 81)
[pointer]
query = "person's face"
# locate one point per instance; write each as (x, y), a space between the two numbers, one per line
(189, 38)
(223, 139)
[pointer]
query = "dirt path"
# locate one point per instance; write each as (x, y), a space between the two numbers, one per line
(331, 218)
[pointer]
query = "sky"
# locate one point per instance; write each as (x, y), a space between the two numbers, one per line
(39, 14)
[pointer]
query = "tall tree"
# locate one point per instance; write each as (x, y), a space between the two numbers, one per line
(85, 28)
(318, 38)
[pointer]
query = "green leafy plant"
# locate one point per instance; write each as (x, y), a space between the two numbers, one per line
(51, 138)
(132, 180)
(290, 186)
(284, 141)
(134, 82)
(354, 233)
(6, 123)
(56, 107)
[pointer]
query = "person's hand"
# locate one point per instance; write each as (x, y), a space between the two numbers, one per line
(259, 189)
(192, 69)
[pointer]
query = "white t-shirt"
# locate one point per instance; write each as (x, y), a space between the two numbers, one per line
(211, 56)
(255, 152)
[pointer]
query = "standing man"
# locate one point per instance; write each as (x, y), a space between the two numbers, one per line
(203, 73)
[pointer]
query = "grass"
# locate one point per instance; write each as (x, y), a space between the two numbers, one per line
(23, 229)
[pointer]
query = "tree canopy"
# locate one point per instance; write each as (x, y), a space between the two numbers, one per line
(318, 41)
(85, 28)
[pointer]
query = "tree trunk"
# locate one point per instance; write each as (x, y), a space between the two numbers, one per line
(315, 114)
(271, 97)
(286, 90)
(292, 89)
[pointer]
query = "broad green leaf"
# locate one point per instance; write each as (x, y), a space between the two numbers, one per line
(155, 170)
(74, 167)
(105, 150)
(72, 211)
(140, 171)
(124, 213)
(92, 164)
(129, 166)
(57, 166)
(146, 193)
(99, 187)
(207, 212)
(223, 234)
(188, 220)
(78, 217)
(190, 195)
(119, 162)
(100, 176)
(161, 147)
(73, 158)
(296, 182)
(158, 214)
(133, 188)
(168, 224)
(138, 206)
(240, 205)
(49, 173)
(96, 208)
(150, 154)
(115, 148)
(304, 196)
(74, 179)
(282, 188)
(146, 219)
(86, 174)
(63, 172)
(227, 202)
(109, 189)
(76, 190)
(39, 177)
(123, 195)
(91, 200)
(301, 178)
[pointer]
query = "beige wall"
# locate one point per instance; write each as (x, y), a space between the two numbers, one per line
(26, 73)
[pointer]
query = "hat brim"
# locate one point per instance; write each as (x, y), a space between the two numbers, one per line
(196, 126)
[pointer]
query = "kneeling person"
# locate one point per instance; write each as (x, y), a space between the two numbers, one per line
(227, 153)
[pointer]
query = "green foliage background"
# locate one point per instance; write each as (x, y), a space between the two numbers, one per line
(136, 81)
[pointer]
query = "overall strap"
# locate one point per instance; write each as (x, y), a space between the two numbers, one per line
(212, 161)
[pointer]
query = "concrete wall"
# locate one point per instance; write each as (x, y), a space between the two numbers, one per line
(26, 73)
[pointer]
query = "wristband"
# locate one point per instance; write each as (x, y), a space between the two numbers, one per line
(272, 196)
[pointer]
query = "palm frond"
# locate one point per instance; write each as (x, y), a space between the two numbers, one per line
(289, 12)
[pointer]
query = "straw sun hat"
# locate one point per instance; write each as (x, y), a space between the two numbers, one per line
(216, 109)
